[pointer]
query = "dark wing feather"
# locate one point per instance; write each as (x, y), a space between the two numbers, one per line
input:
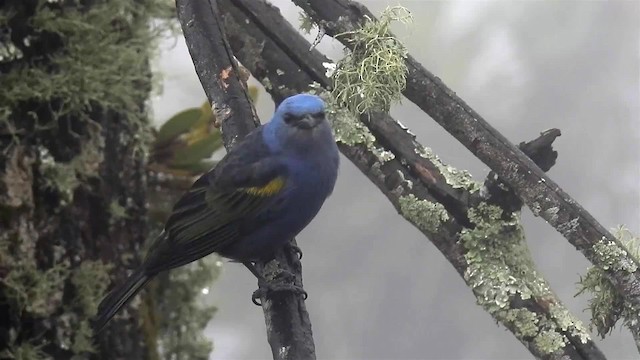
(208, 217)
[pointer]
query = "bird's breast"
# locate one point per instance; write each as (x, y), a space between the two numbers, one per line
(314, 177)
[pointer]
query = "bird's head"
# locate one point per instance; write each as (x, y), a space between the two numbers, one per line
(302, 111)
(299, 125)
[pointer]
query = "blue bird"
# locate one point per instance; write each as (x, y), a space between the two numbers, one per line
(258, 197)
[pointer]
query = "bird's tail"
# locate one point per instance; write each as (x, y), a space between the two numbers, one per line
(118, 298)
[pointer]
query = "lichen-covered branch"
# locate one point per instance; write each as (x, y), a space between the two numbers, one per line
(542, 153)
(493, 260)
(342, 19)
(286, 317)
(607, 306)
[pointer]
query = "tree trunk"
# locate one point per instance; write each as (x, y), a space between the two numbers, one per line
(75, 77)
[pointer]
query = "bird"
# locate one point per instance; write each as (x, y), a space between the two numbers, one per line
(259, 196)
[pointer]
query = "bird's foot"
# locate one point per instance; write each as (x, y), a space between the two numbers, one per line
(284, 281)
(294, 249)
(265, 288)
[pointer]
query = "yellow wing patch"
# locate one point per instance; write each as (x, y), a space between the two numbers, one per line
(270, 188)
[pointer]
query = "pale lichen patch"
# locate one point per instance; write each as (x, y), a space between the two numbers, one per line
(553, 213)
(612, 256)
(569, 323)
(549, 341)
(425, 214)
(266, 83)
(567, 228)
(347, 127)
(524, 321)
(460, 179)
(383, 155)
(500, 270)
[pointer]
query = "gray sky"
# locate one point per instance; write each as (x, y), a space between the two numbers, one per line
(377, 287)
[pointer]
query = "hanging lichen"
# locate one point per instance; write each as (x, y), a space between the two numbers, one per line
(373, 74)
(607, 306)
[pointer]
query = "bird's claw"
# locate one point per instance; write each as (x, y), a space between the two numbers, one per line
(263, 290)
(296, 250)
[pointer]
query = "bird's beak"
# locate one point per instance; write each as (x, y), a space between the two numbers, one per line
(309, 121)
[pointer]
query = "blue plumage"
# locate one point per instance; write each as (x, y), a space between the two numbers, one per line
(259, 196)
(310, 161)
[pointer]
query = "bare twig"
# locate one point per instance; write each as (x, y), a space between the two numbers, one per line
(543, 196)
(286, 317)
(277, 55)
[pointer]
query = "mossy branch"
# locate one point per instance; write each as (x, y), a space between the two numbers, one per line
(607, 306)
(433, 196)
(543, 196)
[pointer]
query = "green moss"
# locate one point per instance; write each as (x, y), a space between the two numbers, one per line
(82, 338)
(426, 215)
(373, 74)
(117, 211)
(60, 177)
(9, 52)
(549, 342)
(38, 292)
(102, 64)
(65, 177)
(459, 179)
(99, 64)
(101, 68)
(90, 280)
(24, 351)
(87, 164)
(607, 306)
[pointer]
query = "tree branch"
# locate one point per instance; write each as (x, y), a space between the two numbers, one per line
(278, 56)
(541, 152)
(543, 196)
(287, 321)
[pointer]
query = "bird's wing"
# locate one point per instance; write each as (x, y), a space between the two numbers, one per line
(207, 217)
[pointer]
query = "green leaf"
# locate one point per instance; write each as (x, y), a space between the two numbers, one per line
(180, 123)
(198, 151)
(200, 167)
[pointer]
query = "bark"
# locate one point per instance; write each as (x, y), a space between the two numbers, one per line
(72, 187)
(287, 321)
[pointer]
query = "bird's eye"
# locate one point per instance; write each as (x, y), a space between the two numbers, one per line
(288, 118)
(319, 114)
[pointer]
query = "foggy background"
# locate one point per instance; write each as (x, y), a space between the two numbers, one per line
(377, 287)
